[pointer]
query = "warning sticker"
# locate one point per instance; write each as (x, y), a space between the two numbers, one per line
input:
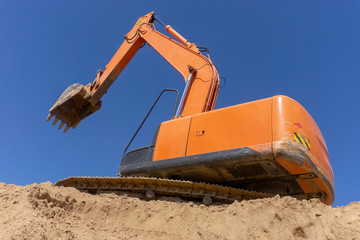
(302, 140)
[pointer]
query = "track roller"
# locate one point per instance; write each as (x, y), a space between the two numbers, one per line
(150, 194)
(207, 200)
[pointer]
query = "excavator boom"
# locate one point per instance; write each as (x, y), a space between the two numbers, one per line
(201, 76)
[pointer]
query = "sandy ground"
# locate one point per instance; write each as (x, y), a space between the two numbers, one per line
(41, 211)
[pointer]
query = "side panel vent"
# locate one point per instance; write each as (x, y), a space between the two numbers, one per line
(272, 188)
(247, 170)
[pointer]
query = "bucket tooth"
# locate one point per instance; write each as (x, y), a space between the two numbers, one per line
(55, 121)
(66, 128)
(73, 105)
(75, 125)
(61, 125)
(49, 117)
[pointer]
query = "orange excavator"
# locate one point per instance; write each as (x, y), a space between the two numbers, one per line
(252, 150)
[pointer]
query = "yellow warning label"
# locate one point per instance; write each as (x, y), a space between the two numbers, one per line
(302, 140)
(139, 22)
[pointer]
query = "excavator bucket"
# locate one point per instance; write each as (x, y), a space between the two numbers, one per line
(72, 106)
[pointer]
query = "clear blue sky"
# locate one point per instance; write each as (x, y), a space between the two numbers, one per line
(308, 50)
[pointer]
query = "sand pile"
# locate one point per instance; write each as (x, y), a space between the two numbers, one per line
(41, 211)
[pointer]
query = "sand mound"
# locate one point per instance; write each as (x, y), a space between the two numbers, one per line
(41, 211)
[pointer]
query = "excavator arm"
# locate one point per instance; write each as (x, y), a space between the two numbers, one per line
(201, 77)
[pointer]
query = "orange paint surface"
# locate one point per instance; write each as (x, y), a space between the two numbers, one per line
(316, 185)
(287, 112)
(292, 168)
(172, 139)
(233, 127)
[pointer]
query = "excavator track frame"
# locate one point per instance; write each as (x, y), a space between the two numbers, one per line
(208, 193)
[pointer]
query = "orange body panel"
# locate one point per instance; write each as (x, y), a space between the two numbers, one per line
(173, 137)
(293, 125)
(290, 118)
(229, 128)
(217, 130)
(278, 125)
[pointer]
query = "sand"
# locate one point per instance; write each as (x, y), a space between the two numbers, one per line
(41, 211)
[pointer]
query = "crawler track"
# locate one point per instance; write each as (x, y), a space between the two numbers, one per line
(162, 187)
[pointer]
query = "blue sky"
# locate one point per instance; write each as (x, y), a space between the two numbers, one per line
(307, 50)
